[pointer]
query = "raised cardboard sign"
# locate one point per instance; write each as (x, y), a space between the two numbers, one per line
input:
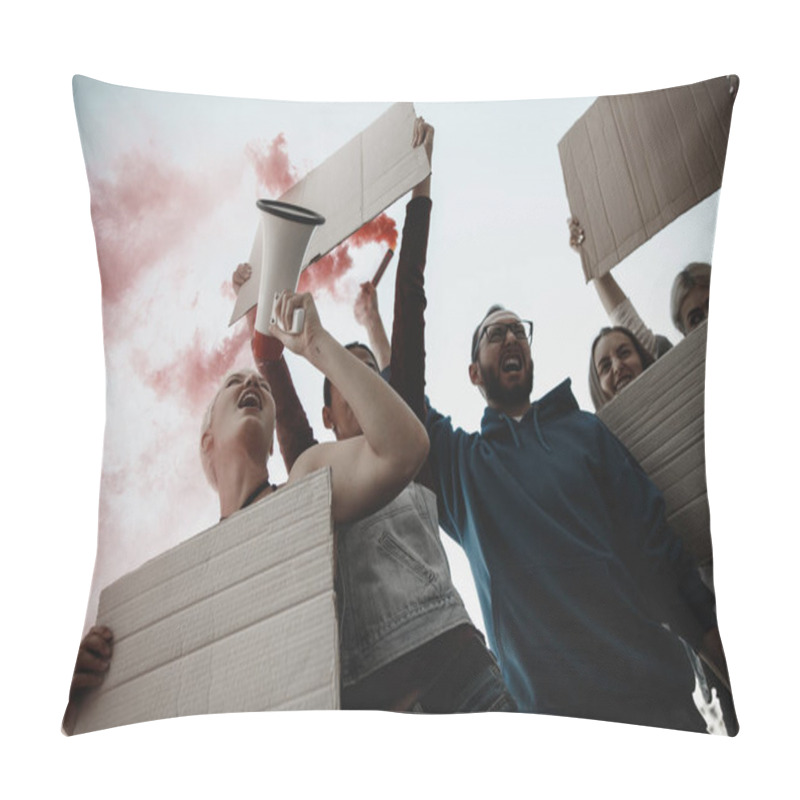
(350, 188)
(240, 617)
(633, 163)
(659, 418)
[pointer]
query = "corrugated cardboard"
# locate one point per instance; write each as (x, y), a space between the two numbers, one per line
(240, 617)
(350, 188)
(659, 418)
(634, 163)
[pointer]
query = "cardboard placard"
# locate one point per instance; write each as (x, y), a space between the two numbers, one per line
(240, 617)
(350, 188)
(633, 163)
(659, 417)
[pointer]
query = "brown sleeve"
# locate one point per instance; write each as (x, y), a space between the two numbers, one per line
(294, 431)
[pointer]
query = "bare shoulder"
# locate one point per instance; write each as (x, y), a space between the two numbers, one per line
(310, 460)
(325, 454)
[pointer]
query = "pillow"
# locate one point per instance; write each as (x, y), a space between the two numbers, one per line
(578, 542)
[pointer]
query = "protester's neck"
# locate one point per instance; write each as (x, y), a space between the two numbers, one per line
(510, 409)
(238, 483)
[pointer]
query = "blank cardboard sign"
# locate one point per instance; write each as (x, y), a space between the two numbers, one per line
(633, 163)
(660, 419)
(350, 188)
(240, 617)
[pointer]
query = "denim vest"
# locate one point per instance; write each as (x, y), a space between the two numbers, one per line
(393, 584)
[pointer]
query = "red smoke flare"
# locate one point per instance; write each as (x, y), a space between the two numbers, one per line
(381, 229)
(195, 373)
(328, 271)
(273, 168)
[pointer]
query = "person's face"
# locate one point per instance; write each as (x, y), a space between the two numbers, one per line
(243, 411)
(616, 362)
(504, 368)
(339, 417)
(694, 308)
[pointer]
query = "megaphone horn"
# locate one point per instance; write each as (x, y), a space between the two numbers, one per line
(285, 232)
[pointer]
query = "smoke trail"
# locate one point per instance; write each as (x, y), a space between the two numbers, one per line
(145, 211)
(194, 374)
(273, 169)
(326, 273)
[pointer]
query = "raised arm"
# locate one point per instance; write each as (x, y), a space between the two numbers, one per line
(367, 314)
(408, 327)
(407, 351)
(621, 312)
(371, 469)
(423, 137)
(609, 292)
(295, 434)
(292, 427)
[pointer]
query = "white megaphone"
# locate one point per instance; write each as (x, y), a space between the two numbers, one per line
(285, 232)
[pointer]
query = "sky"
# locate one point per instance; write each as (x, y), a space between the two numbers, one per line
(173, 181)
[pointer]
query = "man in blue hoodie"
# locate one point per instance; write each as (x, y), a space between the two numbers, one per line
(583, 586)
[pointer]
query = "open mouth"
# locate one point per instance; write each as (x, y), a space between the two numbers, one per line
(511, 363)
(623, 382)
(250, 398)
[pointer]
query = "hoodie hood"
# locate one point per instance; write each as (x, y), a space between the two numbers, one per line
(557, 402)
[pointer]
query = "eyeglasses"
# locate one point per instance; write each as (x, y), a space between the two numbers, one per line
(496, 332)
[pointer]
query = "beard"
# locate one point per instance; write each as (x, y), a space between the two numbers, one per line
(502, 395)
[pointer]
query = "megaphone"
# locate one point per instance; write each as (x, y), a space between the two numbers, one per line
(285, 233)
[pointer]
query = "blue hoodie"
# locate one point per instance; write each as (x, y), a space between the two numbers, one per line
(576, 569)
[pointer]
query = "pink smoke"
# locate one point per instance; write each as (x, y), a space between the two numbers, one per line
(143, 212)
(195, 373)
(326, 273)
(271, 162)
(381, 229)
(227, 291)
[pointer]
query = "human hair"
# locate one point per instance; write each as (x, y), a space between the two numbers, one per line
(698, 273)
(476, 337)
(204, 426)
(595, 390)
(326, 385)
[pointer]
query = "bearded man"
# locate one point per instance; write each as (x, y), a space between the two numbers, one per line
(586, 593)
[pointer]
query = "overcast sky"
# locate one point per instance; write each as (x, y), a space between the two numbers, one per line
(174, 180)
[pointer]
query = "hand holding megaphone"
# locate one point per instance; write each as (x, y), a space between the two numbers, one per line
(295, 321)
(298, 317)
(286, 230)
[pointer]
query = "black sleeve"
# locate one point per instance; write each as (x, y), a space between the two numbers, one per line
(408, 328)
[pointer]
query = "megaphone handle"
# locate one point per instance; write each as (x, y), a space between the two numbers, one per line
(298, 318)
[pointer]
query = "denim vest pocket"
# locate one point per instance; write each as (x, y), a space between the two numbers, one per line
(395, 549)
(394, 584)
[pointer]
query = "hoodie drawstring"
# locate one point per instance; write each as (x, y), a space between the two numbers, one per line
(538, 430)
(510, 426)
